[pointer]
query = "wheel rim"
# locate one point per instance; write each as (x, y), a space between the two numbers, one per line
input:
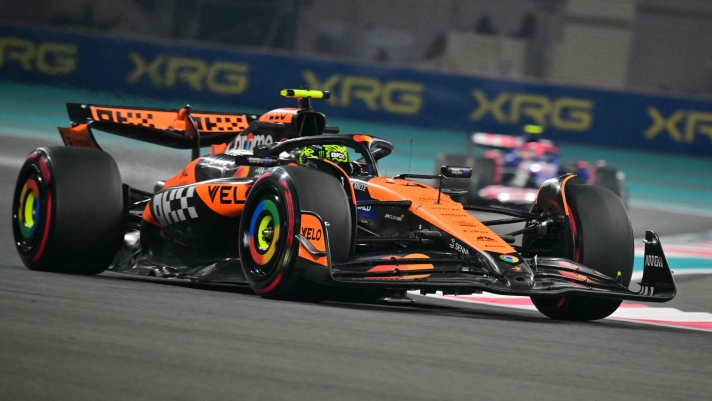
(263, 240)
(264, 233)
(30, 211)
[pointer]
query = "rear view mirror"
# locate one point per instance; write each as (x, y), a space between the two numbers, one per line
(456, 172)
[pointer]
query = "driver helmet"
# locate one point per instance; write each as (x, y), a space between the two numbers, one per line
(333, 153)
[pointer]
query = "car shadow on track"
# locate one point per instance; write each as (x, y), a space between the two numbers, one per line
(421, 306)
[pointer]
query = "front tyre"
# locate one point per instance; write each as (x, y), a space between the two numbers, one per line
(603, 241)
(271, 219)
(68, 210)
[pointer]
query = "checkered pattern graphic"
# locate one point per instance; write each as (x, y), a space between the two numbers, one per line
(211, 123)
(207, 122)
(172, 206)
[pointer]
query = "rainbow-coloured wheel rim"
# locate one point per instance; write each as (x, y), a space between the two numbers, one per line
(30, 206)
(264, 232)
(509, 258)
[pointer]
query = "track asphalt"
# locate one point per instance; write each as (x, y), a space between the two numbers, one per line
(116, 337)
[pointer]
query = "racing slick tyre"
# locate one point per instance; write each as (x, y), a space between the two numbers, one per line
(270, 220)
(604, 242)
(68, 210)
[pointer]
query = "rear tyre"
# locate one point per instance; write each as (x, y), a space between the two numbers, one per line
(273, 206)
(68, 210)
(604, 242)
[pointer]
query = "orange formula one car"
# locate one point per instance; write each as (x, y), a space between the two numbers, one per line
(285, 204)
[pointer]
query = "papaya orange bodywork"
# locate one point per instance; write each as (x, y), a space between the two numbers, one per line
(284, 115)
(225, 198)
(170, 120)
(148, 216)
(311, 222)
(78, 136)
(405, 266)
(185, 177)
(447, 215)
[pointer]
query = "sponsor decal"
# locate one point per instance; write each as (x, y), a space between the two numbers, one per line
(460, 170)
(473, 230)
(227, 200)
(485, 239)
(456, 246)
(439, 207)
(264, 161)
(564, 113)
(249, 142)
(313, 230)
(217, 162)
(394, 217)
(47, 58)
(692, 122)
(516, 269)
(277, 116)
(465, 223)
(225, 194)
(364, 208)
(454, 214)
(509, 258)
(654, 261)
(360, 186)
(168, 71)
(172, 206)
(312, 234)
(398, 97)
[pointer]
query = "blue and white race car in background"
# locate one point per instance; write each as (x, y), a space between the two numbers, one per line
(509, 169)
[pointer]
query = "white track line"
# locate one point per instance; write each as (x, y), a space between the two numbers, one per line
(629, 312)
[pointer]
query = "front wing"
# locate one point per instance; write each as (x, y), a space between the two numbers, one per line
(454, 273)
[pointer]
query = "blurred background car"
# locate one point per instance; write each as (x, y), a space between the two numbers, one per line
(510, 169)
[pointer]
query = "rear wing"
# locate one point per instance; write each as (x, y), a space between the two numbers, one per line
(180, 129)
(504, 142)
(187, 129)
(498, 141)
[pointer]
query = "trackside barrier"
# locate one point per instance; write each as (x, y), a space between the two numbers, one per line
(390, 95)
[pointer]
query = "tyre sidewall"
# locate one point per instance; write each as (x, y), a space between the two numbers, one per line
(604, 240)
(83, 209)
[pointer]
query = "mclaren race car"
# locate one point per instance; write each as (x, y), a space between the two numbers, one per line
(511, 169)
(285, 204)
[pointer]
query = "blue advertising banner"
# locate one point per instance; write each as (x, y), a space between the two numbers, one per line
(382, 94)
